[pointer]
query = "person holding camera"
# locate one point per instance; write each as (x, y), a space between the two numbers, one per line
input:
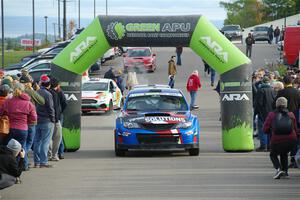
(10, 168)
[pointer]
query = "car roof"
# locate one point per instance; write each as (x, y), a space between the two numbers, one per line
(98, 80)
(154, 89)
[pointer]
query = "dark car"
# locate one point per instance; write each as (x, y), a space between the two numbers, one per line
(233, 32)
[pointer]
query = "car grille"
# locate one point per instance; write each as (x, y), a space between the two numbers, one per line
(88, 101)
(158, 139)
(157, 127)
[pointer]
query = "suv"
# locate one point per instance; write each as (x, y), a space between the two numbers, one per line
(156, 117)
(233, 32)
(260, 33)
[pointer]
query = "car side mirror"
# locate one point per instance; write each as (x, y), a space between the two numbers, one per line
(243, 30)
(124, 54)
(154, 54)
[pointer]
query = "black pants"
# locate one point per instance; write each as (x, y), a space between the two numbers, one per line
(6, 181)
(248, 51)
(282, 150)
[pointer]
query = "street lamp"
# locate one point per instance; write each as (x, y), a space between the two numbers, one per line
(106, 11)
(33, 28)
(46, 39)
(78, 13)
(94, 9)
(2, 29)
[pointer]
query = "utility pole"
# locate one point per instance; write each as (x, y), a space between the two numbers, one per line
(94, 9)
(54, 32)
(106, 11)
(78, 13)
(46, 38)
(33, 28)
(59, 32)
(65, 21)
(2, 30)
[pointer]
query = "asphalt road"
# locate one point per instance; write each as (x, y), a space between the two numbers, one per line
(94, 172)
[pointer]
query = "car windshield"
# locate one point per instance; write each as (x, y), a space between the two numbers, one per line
(94, 86)
(261, 29)
(156, 102)
(231, 28)
(138, 52)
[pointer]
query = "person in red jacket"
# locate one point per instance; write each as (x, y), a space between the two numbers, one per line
(282, 126)
(192, 86)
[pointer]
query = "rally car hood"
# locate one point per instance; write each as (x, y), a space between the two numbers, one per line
(92, 94)
(157, 117)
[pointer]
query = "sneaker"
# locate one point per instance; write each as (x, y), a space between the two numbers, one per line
(285, 175)
(55, 158)
(46, 166)
(36, 166)
(261, 149)
(18, 180)
(212, 85)
(293, 165)
(61, 157)
(278, 174)
(195, 106)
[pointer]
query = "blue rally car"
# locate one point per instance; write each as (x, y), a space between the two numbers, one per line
(156, 117)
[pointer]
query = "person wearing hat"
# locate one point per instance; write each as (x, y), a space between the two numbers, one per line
(1, 74)
(10, 168)
(7, 81)
(45, 125)
(282, 125)
(35, 98)
(293, 97)
(263, 105)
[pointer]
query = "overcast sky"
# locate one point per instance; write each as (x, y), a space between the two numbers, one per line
(209, 8)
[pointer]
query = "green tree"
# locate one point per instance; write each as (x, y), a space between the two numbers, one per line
(277, 9)
(243, 12)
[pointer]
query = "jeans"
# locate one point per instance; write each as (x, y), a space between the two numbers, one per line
(263, 138)
(61, 148)
(212, 76)
(56, 139)
(20, 136)
(193, 98)
(282, 150)
(29, 142)
(171, 81)
(276, 39)
(178, 58)
(41, 142)
(248, 51)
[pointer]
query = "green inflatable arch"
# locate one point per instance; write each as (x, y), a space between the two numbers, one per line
(193, 31)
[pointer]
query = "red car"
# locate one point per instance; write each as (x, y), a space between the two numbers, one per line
(139, 59)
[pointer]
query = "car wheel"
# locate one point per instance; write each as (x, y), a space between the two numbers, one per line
(194, 152)
(119, 152)
(84, 112)
(111, 107)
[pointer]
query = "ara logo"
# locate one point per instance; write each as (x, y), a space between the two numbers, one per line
(215, 48)
(235, 97)
(71, 97)
(82, 48)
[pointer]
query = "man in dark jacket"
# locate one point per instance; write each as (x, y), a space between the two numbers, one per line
(57, 133)
(293, 97)
(45, 125)
(63, 105)
(264, 104)
(110, 74)
(10, 169)
(249, 42)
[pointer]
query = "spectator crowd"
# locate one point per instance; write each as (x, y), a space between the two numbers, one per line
(276, 104)
(30, 120)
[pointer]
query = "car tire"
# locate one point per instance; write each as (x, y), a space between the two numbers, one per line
(111, 107)
(119, 152)
(84, 112)
(194, 152)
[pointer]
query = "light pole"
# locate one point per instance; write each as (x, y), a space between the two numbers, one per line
(65, 21)
(58, 20)
(78, 13)
(106, 11)
(2, 30)
(54, 32)
(46, 37)
(94, 9)
(33, 28)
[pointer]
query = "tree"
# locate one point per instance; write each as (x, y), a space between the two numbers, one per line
(277, 9)
(243, 12)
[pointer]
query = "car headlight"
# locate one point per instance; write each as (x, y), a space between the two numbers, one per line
(131, 125)
(184, 125)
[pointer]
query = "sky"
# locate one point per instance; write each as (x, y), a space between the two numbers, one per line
(23, 8)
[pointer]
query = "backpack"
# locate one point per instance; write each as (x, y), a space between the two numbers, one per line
(282, 124)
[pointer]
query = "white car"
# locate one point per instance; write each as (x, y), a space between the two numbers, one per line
(111, 54)
(100, 95)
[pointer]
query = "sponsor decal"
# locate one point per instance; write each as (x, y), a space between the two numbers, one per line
(224, 85)
(163, 119)
(82, 48)
(215, 48)
(117, 30)
(71, 97)
(235, 97)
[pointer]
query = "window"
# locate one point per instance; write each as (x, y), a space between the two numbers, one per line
(94, 87)
(139, 52)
